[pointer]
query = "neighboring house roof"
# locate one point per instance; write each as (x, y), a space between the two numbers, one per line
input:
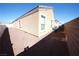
(32, 11)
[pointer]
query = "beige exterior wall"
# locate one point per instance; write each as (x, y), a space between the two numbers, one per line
(48, 13)
(32, 23)
(16, 24)
(28, 23)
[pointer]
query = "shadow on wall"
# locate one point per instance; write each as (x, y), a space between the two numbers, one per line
(5, 44)
(52, 45)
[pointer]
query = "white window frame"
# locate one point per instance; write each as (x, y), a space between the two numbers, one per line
(43, 17)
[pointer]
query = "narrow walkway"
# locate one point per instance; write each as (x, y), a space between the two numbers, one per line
(52, 45)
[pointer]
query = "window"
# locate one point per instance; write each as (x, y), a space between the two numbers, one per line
(43, 22)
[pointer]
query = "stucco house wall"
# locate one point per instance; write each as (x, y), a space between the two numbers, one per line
(31, 21)
(30, 24)
(48, 13)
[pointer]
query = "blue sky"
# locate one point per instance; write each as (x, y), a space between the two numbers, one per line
(64, 12)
